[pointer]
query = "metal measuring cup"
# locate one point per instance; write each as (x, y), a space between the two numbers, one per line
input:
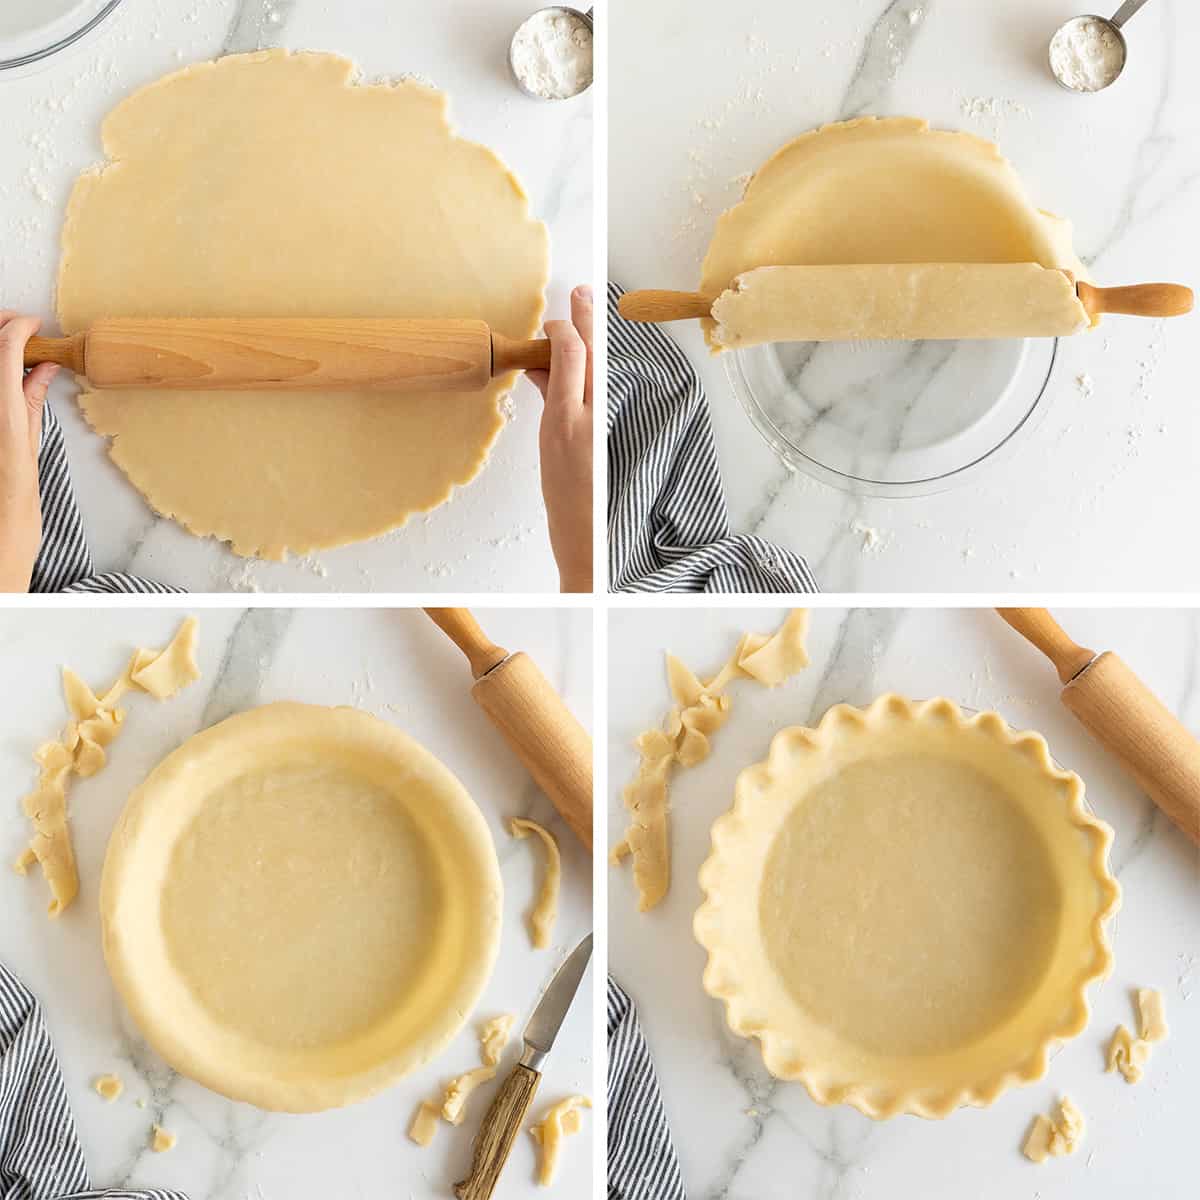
(1110, 25)
(565, 10)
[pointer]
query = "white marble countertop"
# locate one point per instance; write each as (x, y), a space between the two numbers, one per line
(392, 663)
(742, 1135)
(1102, 495)
(491, 536)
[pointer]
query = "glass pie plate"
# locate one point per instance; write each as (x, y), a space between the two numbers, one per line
(31, 30)
(894, 418)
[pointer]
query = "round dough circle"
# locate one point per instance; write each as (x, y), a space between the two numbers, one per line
(270, 184)
(905, 905)
(299, 906)
(884, 190)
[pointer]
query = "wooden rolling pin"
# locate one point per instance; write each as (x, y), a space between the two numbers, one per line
(1123, 715)
(290, 354)
(532, 717)
(930, 300)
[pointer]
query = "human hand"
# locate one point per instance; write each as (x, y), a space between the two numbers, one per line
(21, 400)
(565, 442)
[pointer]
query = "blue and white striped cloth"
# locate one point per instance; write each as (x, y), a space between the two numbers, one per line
(668, 528)
(64, 562)
(40, 1158)
(642, 1163)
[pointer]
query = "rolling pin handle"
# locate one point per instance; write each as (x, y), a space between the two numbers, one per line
(460, 626)
(1137, 300)
(511, 355)
(66, 352)
(1037, 626)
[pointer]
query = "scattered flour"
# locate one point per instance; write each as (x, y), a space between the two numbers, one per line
(1085, 385)
(873, 540)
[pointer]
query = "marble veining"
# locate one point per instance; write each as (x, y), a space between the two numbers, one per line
(745, 1136)
(396, 664)
(1099, 494)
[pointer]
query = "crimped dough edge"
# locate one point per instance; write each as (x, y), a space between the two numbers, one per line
(721, 979)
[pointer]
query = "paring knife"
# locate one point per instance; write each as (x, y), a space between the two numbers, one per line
(507, 1114)
(290, 354)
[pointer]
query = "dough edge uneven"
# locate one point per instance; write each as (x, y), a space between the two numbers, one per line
(141, 448)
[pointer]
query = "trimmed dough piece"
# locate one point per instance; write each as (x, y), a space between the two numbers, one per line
(108, 1087)
(883, 190)
(559, 1122)
(1152, 1017)
(161, 1140)
(95, 723)
(896, 300)
(493, 1037)
(288, 190)
(701, 709)
(544, 912)
(1127, 1054)
(458, 1092)
(1054, 1138)
(424, 1123)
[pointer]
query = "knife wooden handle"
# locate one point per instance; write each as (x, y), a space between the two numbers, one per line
(1137, 300)
(658, 306)
(496, 1135)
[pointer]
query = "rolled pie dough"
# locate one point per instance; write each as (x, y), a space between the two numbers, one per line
(897, 300)
(271, 184)
(300, 905)
(883, 190)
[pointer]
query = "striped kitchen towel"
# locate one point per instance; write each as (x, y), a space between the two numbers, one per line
(64, 562)
(40, 1158)
(642, 1164)
(668, 528)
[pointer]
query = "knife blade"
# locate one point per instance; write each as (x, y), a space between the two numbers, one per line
(508, 1111)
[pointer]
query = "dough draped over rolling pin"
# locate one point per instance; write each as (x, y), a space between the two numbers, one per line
(883, 190)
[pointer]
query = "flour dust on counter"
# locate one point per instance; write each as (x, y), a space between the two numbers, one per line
(296, 891)
(919, 877)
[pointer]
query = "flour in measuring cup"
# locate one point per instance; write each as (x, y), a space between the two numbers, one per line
(552, 54)
(1086, 55)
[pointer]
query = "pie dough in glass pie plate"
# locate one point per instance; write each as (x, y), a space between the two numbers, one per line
(905, 906)
(299, 906)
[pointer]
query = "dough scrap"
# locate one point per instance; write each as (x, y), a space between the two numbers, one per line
(493, 1037)
(912, 301)
(286, 189)
(1054, 1138)
(544, 912)
(161, 1140)
(883, 190)
(1129, 1055)
(1152, 1017)
(684, 741)
(108, 1087)
(561, 1120)
(95, 723)
(459, 1090)
(424, 1123)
